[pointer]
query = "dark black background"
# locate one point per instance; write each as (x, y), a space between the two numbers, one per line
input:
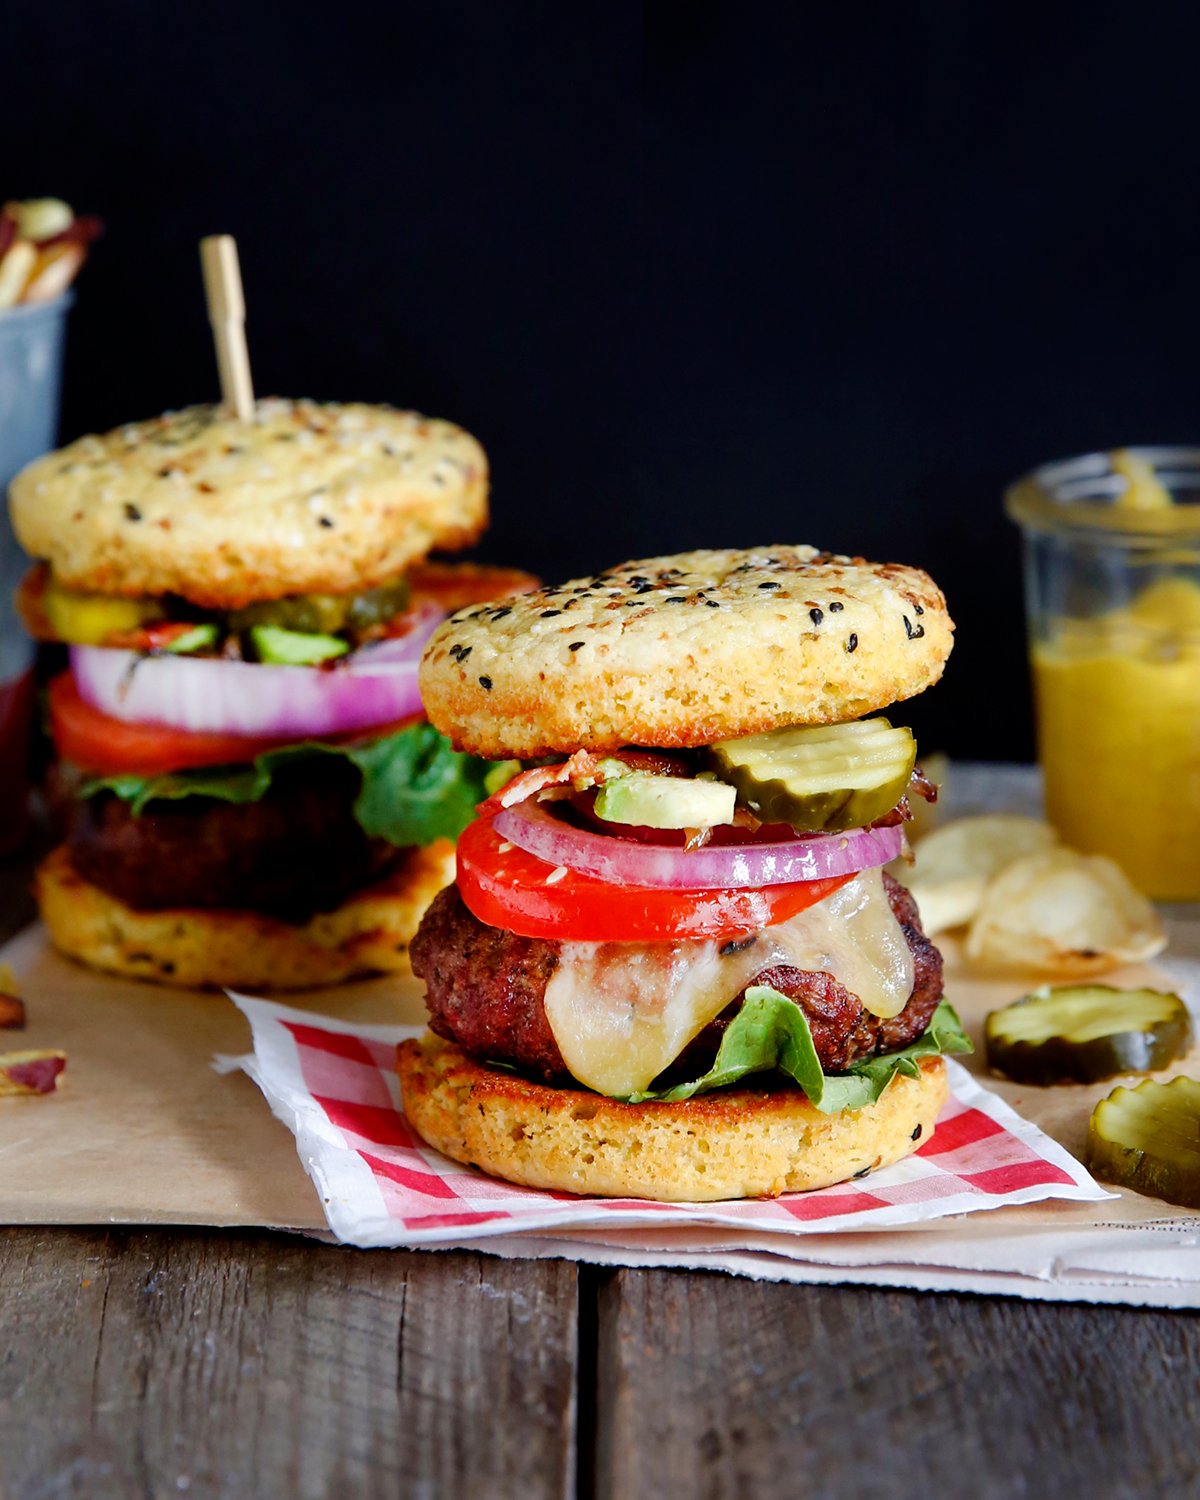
(696, 275)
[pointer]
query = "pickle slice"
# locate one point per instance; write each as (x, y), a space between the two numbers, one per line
(1148, 1139)
(325, 614)
(1083, 1033)
(820, 777)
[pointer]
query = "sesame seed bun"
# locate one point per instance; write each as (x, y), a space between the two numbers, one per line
(685, 650)
(210, 949)
(732, 1143)
(302, 499)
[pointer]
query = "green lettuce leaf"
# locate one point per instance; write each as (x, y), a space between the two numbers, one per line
(415, 788)
(772, 1032)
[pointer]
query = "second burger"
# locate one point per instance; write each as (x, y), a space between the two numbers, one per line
(250, 793)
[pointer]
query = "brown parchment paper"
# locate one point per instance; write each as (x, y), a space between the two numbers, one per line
(143, 1131)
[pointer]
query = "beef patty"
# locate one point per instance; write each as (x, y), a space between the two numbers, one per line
(486, 992)
(296, 851)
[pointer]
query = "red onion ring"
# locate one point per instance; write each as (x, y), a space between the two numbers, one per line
(377, 684)
(533, 827)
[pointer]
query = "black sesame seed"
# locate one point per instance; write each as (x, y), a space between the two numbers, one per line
(576, 645)
(862, 1172)
(836, 606)
(852, 642)
(769, 585)
(486, 684)
(676, 599)
(131, 512)
(913, 632)
(712, 604)
(464, 652)
(548, 614)
(326, 522)
(920, 608)
(816, 615)
(916, 1135)
(498, 614)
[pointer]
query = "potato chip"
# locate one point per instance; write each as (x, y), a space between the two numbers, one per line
(954, 864)
(1063, 913)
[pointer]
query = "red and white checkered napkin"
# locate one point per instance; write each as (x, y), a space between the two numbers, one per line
(334, 1086)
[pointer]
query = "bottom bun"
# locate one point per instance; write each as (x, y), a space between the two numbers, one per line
(197, 948)
(732, 1143)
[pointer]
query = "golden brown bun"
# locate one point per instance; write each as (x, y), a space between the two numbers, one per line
(303, 499)
(732, 1143)
(199, 949)
(685, 650)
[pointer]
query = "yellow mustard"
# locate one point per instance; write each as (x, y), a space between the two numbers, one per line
(1118, 710)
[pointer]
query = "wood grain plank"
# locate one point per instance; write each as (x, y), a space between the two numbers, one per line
(710, 1386)
(255, 1365)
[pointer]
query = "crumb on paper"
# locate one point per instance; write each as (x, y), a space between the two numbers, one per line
(30, 1072)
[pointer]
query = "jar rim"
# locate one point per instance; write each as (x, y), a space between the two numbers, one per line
(1078, 494)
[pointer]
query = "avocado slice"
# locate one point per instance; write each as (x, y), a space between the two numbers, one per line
(648, 801)
(294, 648)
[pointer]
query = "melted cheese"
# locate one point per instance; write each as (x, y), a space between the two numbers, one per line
(623, 1012)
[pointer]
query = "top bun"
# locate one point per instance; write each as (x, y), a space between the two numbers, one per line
(305, 498)
(685, 650)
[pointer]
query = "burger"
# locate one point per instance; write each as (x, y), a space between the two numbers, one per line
(672, 965)
(248, 792)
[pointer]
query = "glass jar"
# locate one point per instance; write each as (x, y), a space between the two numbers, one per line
(31, 354)
(1112, 593)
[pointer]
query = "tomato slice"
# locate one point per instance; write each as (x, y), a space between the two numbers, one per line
(95, 741)
(506, 887)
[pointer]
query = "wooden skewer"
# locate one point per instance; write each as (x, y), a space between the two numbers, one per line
(227, 314)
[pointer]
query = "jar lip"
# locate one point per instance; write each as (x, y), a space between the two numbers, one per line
(1077, 495)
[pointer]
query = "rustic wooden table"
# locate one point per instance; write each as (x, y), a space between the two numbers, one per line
(258, 1365)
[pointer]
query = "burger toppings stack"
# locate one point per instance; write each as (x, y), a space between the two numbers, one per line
(249, 790)
(672, 964)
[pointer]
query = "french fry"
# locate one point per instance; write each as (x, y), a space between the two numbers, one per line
(40, 218)
(54, 272)
(16, 265)
(43, 245)
(30, 1072)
